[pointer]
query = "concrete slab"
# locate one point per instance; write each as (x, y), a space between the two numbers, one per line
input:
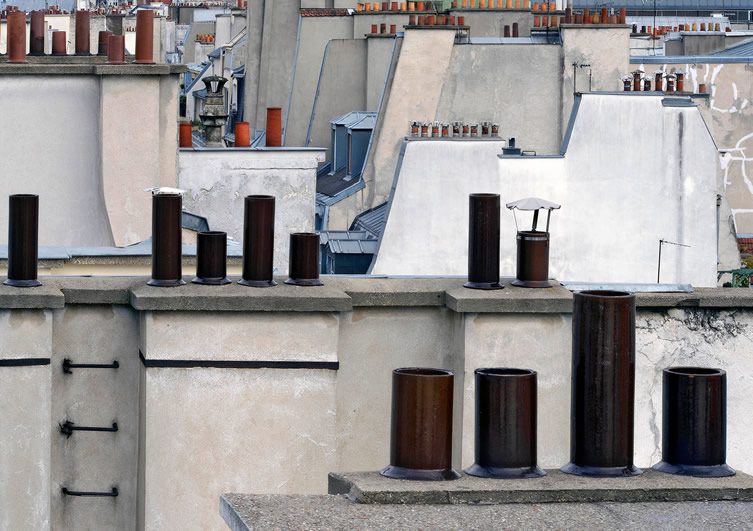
(244, 511)
(511, 299)
(236, 298)
(45, 296)
(396, 291)
(555, 487)
(97, 290)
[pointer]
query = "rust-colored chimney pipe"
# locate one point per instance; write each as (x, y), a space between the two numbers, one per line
(59, 44)
(23, 237)
(258, 241)
(680, 82)
(659, 82)
(242, 134)
(636, 81)
(506, 31)
(102, 42)
(37, 29)
(274, 127)
(116, 49)
(82, 33)
(17, 37)
(186, 135)
(144, 37)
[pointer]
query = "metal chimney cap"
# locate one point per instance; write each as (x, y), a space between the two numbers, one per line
(532, 203)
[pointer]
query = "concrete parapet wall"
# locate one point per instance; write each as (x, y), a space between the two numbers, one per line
(266, 390)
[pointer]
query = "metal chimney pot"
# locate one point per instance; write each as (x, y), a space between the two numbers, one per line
(603, 385)
(694, 422)
(304, 259)
(103, 42)
(37, 29)
(144, 37)
(82, 33)
(505, 429)
(533, 245)
(421, 425)
(167, 252)
(258, 241)
(211, 259)
(116, 49)
(23, 237)
(483, 241)
(16, 24)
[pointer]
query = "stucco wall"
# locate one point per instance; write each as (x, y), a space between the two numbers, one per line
(485, 23)
(209, 429)
(612, 216)
(315, 33)
(217, 181)
(341, 89)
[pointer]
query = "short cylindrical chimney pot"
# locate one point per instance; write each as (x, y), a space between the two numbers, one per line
(274, 127)
(59, 44)
(116, 49)
(702, 88)
(303, 269)
(680, 82)
(211, 258)
(167, 252)
(506, 31)
(694, 422)
(242, 134)
(421, 425)
(515, 30)
(37, 30)
(483, 241)
(82, 33)
(258, 241)
(23, 237)
(144, 36)
(533, 259)
(505, 426)
(603, 384)
(659, 82)
(103, 42)
(16, 24)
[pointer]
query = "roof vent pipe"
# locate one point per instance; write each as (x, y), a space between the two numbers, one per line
(510, 149)
(23, 237)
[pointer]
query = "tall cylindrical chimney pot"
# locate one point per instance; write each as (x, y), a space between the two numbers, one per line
(167, 252)
(144, 36)
(242, 134)
(274, 127)
(23, 237)
(16, 24)
(483, 241)
(303, 267)
(421, 425)
(603, 384)
(515, 30)
(82, 33)
(102, 42)
(59, 44)
(505, 426)
(116, 49)
(694, 422)
(37, 30)
(680, 82)
(637, 81)
(659, 82)
(211, 258)
(506, 31)
(185, 135)
(258, 241)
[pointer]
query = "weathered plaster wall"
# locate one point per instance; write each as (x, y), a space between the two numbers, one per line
(315, 33)
(217, 181)
(485, 23)
(612, 217)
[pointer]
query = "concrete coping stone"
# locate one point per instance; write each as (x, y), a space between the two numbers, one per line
(91, 69)
(96, 290)
(555, 487)
(46, 296)
(236, 298)
(511, 299)
(396, 291)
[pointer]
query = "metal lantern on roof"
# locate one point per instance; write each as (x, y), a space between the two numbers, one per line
(533, 245)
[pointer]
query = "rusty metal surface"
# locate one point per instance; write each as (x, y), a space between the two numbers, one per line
(116, 49)
(82, 33)
(144, 36)
(166, 240)
(304, 259)
(421, 425)
(694, 422)
(211, 258)
(16, 47)
(533, 260)
(603, 384)
(483, 241)
(37, 30)
(23, 236)
(505, 428)
(258, 241)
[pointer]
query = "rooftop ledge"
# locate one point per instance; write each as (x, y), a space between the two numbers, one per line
(66, 68)
(339, 294)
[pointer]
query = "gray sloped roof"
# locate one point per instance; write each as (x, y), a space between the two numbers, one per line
(372, 220)
(666, 4)
(744, 49)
